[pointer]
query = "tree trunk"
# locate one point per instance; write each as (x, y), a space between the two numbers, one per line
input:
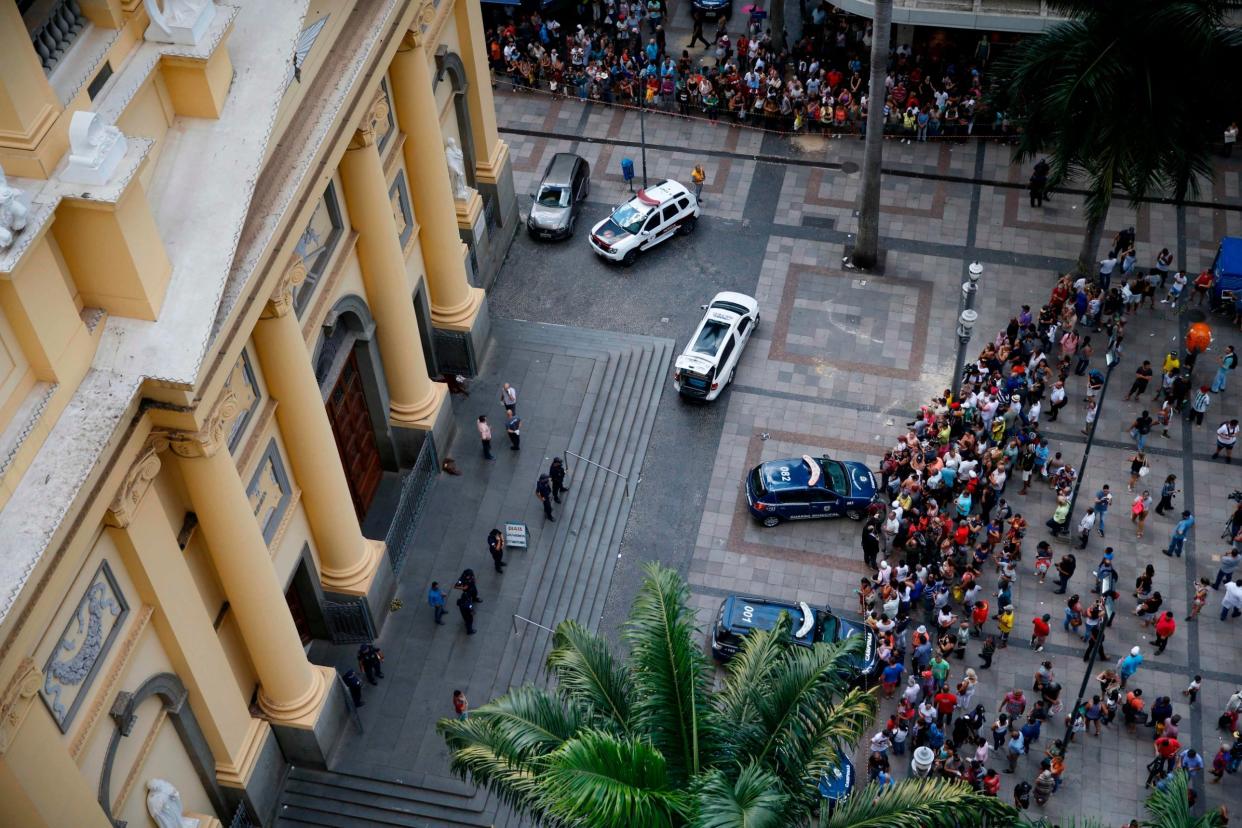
(1088, 255)
(867, 242)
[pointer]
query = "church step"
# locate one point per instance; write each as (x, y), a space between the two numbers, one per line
(315, 797)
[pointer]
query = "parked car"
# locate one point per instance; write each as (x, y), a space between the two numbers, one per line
(837, 784)
(809, 487)
(654, 215)
(565, 185)
(714, 8)
(740, 614)
(710, 359)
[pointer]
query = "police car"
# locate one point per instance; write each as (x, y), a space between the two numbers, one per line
(656, 214)
(836, 784)
(809, 487)
(710, 359)
(740, 614)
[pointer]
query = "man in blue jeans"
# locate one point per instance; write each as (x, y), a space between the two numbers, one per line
(1178, 541)
(1103, 499)
(1227, 566)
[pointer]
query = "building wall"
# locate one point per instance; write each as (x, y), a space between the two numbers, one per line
(167, 574)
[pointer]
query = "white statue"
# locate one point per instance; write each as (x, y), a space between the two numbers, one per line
(13, 212)
(164, 805)
(95, 150)
(179, 21)
(457, 169)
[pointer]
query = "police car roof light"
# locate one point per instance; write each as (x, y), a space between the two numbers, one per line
(813, 468)
(808, 620)
(648, 200)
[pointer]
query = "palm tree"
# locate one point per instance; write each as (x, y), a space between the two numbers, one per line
(647, 741)
(1121, 95)
(867, 242)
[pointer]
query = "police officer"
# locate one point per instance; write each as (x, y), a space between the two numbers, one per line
(513, 427)
(467, 611)
(371, 662)
(354, 683)
(543, 491)
(557, 472)
(496, 546)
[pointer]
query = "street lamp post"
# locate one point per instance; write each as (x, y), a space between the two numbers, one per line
(966, 319)
(642, 132)
(1111, 357)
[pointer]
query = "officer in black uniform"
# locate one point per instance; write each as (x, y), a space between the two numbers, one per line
(543, 491)
(354, 683)
(496, 546)
(557, 472)
(371, 662)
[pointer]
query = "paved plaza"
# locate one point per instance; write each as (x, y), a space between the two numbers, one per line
(840, 363)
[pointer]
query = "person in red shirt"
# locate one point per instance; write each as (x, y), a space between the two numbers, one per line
(1040, 634)
(946, 703)
(1203, 283)
(1165, 626)
(991, 782)
(1166, 748)
(978, 617)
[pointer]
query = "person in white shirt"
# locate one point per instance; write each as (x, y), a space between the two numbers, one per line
(1226, 439)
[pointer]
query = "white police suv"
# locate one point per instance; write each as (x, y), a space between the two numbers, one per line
(654, 215)
(711, 356)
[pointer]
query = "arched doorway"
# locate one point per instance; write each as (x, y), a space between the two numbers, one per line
(350, 375)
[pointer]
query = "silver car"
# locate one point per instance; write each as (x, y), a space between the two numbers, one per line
(566, 184)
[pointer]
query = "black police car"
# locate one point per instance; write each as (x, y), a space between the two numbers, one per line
(740, 614)
(809, 487)
(713, 8)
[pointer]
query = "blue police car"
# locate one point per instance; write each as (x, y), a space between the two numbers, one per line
(740, 614)
(809, 487)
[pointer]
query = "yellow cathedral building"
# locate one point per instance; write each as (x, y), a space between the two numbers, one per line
(243, 244)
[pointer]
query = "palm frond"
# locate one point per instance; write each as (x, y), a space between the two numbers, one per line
(921, 803)
(669, 671)
(755, 799)
(588, 675)
(598, 780)
(1170, 808)
(844, 726)
(750, 670)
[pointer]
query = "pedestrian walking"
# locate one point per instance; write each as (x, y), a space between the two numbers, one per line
(1228, 565)
(1085, 526)
(353, 682)
(461, 707)
(513, 427)
(435, 598)
(543, 491)
(371, 662)
(1045, 784)
(556, 472)
(508, 398)
(1022, 795)
(1167, 493)
(1180, 532)
(1140, 428)
(1228, 362)
(1089, 416)
(1138, 467)
(1165, 627)
(1231, 603)
(1065, 571)
(485, 437)
(1142, 376)
(698, 176)
(1199, 404)
(1040, 632)
(1058, 524)
(1128, 665)
(1103, 499)
(870, 545)
(496, 548)
(1192, 690)
(696, 33)
(1226, 439)
(466, 606)
(1057, 400)
(1199, 600)
(1139, 511)
(989, 649)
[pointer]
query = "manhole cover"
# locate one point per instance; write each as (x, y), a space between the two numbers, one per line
(853, 319)
(849, 167)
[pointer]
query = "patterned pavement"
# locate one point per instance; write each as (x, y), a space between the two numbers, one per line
(843, 358)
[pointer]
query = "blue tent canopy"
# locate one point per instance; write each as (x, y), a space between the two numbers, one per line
(1228, 266)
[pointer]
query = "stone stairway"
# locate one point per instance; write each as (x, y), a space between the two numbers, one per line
(613, 429)
(571, 578)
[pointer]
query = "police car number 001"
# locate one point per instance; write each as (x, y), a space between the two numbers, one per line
(748, 613)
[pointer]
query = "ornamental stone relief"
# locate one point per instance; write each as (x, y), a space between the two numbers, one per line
(82, 646)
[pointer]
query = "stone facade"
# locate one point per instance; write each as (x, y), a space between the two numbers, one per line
(224, 315)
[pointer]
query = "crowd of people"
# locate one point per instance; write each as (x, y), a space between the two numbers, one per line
(620, 53)
(952, 523)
